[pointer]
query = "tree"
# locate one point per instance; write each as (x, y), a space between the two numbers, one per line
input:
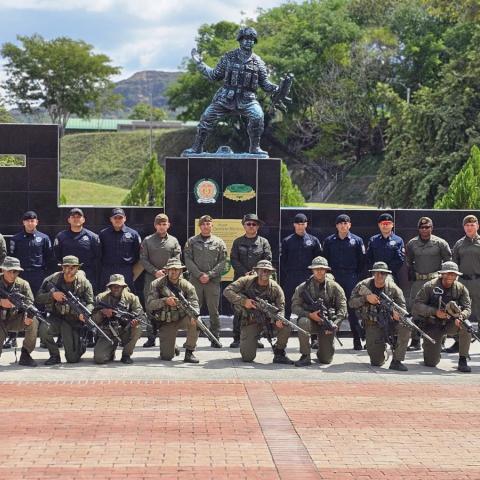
(62, 75)
(464, 191)
(149, 187)
(144, 111)
(291, 196)
(5, 115)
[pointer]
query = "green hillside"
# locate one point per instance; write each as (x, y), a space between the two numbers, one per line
(78, 192)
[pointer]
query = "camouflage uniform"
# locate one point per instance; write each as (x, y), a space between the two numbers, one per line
(236, 293)
(171, 319)
(207, 255)
(63, 321)
(334, 298)
(129, 335)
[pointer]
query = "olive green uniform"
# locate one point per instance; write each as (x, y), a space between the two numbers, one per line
(13, 321)
(207, 255)
(466, 254)
(246, 287)
(104, 351)
(425, 306)
(334, 298)
(3, 249)
(368, 313)
(63, 321)
(172, 319)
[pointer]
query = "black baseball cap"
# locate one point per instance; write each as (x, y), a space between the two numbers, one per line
(76, 211)
(342, 218)
(300, 218)
(29, 215)
(385, 217)
(117, 211)
(251, 217)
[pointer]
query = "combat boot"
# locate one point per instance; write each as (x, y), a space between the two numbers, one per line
(10, 342)
(198, 143)
(357, 343)
(177, 351)
(190, 357)
(414, 345)
(255, 146)
(281, 357)
(398, 365)
(53, 360)
(26, 360)
(454, 348)
(235, 343)
(149, 343)
(126, 359)
(463, 366)
(303, 361)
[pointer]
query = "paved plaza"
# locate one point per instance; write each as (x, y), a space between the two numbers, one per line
(225, 419)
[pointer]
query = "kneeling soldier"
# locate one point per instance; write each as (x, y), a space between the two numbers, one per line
(163, 306)
(11, 320)
(377, 320)
(312, 300)
(241, 294)
(63, 320)
(435, 303)
(126, 331)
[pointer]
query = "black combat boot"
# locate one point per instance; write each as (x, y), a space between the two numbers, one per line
(149, 343)
(463, 366)
(11, 341)
(53, 360)
(26, 360)
(414, 345)
(126, 359)
(303, 361)
(357, 343)
(190, 357)
(59, 341)
(198, 143)
(255, 145)
(235, 343)
(281, 357)
(177, 351)
(454, 348)
(398, 365)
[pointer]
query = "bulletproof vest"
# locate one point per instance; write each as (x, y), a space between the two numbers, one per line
(244, 76)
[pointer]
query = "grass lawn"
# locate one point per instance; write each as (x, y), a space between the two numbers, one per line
(339, 206)
(78, 192)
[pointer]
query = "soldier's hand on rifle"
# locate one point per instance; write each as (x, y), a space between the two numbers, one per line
(331, 332)
(396, 316)
(28, 321)
(279, 324)
(134, 322)
(107, 312)
(193, 321)
(196, 57)
(159, 274)
(249, 304)
(59, 297)
(81, 317)
(373, 299)
(458, 323)
(5, 303)
(315, 316)
(171, 301)
(442, 314)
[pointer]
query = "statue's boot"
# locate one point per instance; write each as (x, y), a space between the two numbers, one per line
(198, 143)
(255, 145)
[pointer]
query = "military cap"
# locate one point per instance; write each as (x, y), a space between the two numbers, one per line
(70, 260)
(424, 221)
(470, 219)
(11, 263)
(342, 218)
(319, 262)
(251, 217)
(385, 217)
(265, 265)
(205, 218)
(300, 218)
(117, 279)
(174, 263)
(160, 218)
(247, 32)
(76, 211)
(118, 212)
(450, 267)
(380, 267)
(30, 215)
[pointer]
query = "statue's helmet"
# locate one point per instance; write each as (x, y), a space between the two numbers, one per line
(245, 32)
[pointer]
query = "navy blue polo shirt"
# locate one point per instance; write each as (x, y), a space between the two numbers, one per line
(34, 250)
(119, 248)
(347, 254)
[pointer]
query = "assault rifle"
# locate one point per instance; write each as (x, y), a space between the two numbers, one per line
(405, 317)
(124, 317)
(22, 304)
(280, 97)
(191, 311)
(79, 309)
(325, 313)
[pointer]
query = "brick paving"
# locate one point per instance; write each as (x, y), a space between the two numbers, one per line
(239, 430)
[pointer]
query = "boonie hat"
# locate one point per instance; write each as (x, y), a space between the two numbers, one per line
(70, 260)
(265, 265)
(117, 279)
(174, 263)
(450, 267)
(11, 263)
(319, 262)
(380, 267)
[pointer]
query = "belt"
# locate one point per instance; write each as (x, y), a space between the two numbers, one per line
(426, 276)
(474, 276)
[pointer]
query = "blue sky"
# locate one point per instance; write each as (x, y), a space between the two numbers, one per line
(137, 35)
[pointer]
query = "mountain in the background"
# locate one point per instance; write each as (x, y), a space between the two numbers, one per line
(141, 85)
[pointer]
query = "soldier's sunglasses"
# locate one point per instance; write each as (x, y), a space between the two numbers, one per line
(425, 227)
(251, 224)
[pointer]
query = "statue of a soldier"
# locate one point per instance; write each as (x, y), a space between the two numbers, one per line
(242, 72)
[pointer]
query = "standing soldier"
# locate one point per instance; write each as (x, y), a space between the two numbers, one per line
(246, 252)
(126, 330)
(162, 305)
(365, 299)
(331, 294)
(297, 252)
(241, 293)
(345, 253)
(435, 303)
(155, 251)
(386, 246)
(425, 255)
(34, 250)
(205, 259)
(12, 320)
(62, 319)
(120, 249)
